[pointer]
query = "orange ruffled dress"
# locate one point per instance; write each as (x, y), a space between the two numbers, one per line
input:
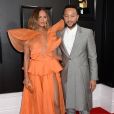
(42, 68)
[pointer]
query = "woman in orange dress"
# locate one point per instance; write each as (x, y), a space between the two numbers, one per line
(42, 92)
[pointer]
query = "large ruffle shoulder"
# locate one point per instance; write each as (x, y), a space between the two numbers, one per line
(19, 36)
(58, 26)
(55, 41)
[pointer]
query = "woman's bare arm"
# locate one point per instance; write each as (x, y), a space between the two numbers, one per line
(26, 62)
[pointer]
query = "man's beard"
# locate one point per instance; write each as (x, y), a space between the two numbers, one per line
(70, 27)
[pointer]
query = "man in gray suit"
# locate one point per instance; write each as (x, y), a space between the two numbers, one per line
(78, 52)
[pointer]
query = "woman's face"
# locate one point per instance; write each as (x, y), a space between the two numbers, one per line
(42, 19)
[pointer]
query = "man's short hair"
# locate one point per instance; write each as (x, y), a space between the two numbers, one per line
(72, 6)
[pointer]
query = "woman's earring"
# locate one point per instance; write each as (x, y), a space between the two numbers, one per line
(46, 25)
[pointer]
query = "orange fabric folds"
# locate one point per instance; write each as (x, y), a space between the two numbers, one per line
(19, 36)
(44, 70)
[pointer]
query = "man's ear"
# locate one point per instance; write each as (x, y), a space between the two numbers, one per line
(77, 17)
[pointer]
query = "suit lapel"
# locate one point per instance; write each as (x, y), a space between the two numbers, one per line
(77, 37)
(63, 45)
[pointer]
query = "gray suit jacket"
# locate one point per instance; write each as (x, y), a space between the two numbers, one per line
(79, 68)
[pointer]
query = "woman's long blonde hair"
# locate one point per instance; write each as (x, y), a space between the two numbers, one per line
(33, 20)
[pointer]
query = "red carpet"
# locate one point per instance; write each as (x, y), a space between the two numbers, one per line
(98, 110)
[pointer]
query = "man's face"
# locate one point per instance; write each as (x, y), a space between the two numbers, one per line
(70, 17)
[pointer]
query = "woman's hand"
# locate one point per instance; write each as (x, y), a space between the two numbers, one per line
(27, 84)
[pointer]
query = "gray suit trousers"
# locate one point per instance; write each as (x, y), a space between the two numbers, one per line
(73, 111)
(84, 112)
